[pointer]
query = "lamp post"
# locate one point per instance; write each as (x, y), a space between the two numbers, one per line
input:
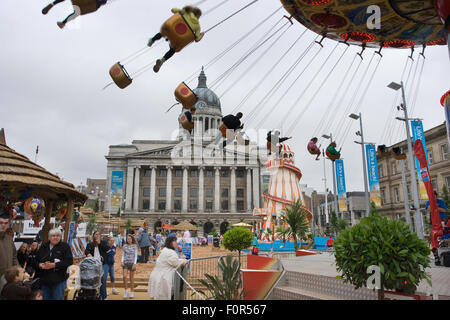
(362, 143)
(334, 176)
(326, 190)
(418, 216)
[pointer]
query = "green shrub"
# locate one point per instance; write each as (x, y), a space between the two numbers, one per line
(389, 244)
(237, 239)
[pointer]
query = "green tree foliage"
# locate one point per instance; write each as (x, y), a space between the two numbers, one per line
(389, 244)
(92, 224)
(373, 209)
(118, 213)
(128, 226)
(296, 218)
(213, 232)
(228, 287)
(237, 239)
(97, 205)
(283, 232)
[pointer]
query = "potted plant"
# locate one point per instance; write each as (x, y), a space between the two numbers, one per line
(387, 244)
(237, 239)
(226, 287)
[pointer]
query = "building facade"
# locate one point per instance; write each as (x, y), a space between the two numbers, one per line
(168, 181)
(390, 173)
(356, 210)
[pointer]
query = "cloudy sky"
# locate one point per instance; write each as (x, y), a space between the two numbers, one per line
(51, 89)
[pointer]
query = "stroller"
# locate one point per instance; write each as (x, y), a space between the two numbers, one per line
(91, 272)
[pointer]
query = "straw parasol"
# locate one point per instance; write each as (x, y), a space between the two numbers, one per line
(21, 178)
(242, 224)
(185, 225)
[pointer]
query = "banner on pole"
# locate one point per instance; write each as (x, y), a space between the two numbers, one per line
(418, 134)
(341, 190)
(372, 168)
(116, 188)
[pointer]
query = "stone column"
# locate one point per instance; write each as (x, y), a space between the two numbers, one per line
(217, 190)
(201, 187)
(256, 195)
(137, 176)
(233, 189)
(184, 206)
(129, 191)
(153, 189)
(249, 189)
(169, 189)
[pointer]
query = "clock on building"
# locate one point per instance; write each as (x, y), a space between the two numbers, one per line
(201, 105)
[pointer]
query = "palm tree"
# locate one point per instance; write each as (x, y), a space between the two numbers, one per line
(296, 218)
(283, 232)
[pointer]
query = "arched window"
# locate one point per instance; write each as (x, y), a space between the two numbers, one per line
(206, 124)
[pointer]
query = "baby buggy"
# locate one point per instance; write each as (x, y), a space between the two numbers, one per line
(91, 272)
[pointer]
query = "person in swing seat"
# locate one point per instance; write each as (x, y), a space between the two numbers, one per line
(73, 15)
(191, 15)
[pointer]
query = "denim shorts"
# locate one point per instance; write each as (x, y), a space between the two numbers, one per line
(128, 266)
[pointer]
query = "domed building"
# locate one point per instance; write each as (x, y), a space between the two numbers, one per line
(168, 181)
(208, 115)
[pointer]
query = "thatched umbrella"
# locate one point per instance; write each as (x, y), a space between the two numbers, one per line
(21, 178)
(185, 225)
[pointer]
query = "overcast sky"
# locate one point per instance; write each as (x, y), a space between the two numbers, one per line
(51, 85)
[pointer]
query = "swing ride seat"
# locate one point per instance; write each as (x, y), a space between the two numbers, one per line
(273, 148)
(333, 157)
(185, 96)
(120, 76)
(185, 123)
(313, 151)
(86, 6)
(178, 32)
(242, 140)
(223, 129)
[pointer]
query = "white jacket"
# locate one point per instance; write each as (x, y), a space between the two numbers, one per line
(161, 278)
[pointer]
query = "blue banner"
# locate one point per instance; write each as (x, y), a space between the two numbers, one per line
(418, 134)
(116, 188)
(340, 182)
(372, 172)
(186, 249)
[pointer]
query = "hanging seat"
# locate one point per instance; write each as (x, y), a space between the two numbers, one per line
(120, 76)
(178, 32)
(185, 123)
(185, 96)
(332, 157)
(86, 6)
(242, 139)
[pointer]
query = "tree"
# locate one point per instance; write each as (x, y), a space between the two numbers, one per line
(283, 232)
(227, 288)
(128, 226)
(373, 209)
(97, 205)
(92, 224)
(118, 213)
(237, 239)
(337, 224)
(387, 244)
(213, 232)
(296, 218)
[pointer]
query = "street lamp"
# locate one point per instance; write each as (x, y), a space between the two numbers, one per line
(361, 134)
(330, 137)
(419, 223)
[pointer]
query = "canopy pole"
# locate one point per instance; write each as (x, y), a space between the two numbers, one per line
(68, 219)
(48, 215)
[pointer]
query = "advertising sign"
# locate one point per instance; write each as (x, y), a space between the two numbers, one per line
(341, 190)
(372, 171)
(418, 134)
(116, 188)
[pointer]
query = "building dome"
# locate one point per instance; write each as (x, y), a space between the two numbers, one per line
(205, 94)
